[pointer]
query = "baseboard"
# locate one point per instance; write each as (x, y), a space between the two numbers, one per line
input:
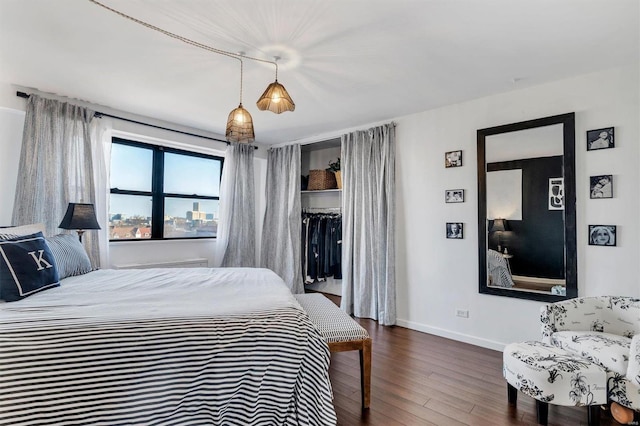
(453, 335)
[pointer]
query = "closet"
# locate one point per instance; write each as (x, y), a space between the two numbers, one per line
(324, 209)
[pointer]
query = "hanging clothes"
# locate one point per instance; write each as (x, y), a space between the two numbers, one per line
(321, 246)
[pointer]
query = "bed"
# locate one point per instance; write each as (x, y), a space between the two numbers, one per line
(221, 346)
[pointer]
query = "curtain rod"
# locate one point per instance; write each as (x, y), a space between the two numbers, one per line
(104, 114)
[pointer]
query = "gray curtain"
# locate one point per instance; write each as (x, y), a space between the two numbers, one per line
(368, 224)
(56, 166)
(281, 233)
(237, 233)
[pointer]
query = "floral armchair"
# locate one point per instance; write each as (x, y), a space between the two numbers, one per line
(606, 331)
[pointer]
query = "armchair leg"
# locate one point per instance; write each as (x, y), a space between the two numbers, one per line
(594, 415)
(512, 394)
(542, 412)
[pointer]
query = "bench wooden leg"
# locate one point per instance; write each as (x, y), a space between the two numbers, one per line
(365, 373)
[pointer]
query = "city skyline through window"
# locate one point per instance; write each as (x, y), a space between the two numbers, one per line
(183, 205)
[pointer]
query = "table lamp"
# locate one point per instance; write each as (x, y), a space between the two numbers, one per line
(80, 217)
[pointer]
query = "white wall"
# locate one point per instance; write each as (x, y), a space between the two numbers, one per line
(436, 276)
(11, 124)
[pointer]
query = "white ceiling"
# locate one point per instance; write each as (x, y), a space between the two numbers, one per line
(346, 63)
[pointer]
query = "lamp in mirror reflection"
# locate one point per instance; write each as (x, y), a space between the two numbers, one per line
(499, 226)
(80, 216)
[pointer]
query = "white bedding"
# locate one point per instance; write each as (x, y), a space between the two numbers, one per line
(163, 347)
(153, 293)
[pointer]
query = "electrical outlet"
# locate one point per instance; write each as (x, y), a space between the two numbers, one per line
(463, 313)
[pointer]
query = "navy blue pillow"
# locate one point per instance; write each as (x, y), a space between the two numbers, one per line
(26, 267)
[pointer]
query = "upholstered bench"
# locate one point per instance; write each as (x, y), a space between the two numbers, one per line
(551, 375)
(342, 333)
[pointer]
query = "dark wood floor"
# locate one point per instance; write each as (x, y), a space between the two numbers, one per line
(422, 379)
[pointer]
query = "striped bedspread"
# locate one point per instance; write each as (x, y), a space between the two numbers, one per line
(163, 347)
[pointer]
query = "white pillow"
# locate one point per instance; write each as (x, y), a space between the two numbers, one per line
(13, 231)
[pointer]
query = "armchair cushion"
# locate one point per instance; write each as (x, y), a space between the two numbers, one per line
(604, 330)
(609, 351)
(633, 371)
(615, 315)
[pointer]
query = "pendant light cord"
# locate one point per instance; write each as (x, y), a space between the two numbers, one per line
(241, 72)
(184, 39)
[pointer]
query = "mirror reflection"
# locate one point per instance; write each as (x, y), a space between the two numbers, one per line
(525, 210)
(525, 241)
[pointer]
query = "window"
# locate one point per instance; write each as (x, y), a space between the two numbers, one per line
(162, 193)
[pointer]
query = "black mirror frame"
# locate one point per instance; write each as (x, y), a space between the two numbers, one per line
(569, 165)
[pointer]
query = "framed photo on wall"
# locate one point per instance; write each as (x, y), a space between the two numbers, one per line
(601, 186)
(454, 196)
(603, 235)
(600, 139)
(453, 158)
(454, 230)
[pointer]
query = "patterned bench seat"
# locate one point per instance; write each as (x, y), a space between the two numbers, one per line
(342, 333)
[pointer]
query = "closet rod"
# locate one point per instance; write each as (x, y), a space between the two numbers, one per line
(104, 114)
(322, 209)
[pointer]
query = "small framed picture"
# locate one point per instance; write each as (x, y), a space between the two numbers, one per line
(600, 139)
(556, 193)
(454, 196)
(601, 186)
(454, 230)
(453, 159)
(602, 235)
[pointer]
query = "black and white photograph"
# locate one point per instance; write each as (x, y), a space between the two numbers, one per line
(602, 235)
(600, 139)
(556, 193)
(454, 196)
(453, 159)
(454, 230)
(601, 186)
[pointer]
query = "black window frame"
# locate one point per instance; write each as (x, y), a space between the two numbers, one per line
(157, 193)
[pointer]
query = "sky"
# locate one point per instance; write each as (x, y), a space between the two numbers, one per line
(131, 170)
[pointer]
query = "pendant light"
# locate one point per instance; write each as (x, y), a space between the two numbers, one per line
(240, 123)
(276, 98)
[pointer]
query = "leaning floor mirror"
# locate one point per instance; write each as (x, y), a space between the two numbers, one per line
(526, 209)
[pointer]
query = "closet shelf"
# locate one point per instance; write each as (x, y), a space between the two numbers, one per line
(320, 191)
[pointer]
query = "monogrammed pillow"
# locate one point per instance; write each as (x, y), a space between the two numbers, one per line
(26, 267)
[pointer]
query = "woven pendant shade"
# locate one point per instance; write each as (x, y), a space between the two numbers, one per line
(240, 126)
(239, 123)
(276, 99)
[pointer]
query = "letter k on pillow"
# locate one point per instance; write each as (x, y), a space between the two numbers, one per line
(26, 267)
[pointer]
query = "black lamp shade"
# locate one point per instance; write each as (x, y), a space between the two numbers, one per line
(80, 216)
(499, 225)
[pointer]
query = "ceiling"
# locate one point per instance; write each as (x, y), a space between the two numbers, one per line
(346, 63)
